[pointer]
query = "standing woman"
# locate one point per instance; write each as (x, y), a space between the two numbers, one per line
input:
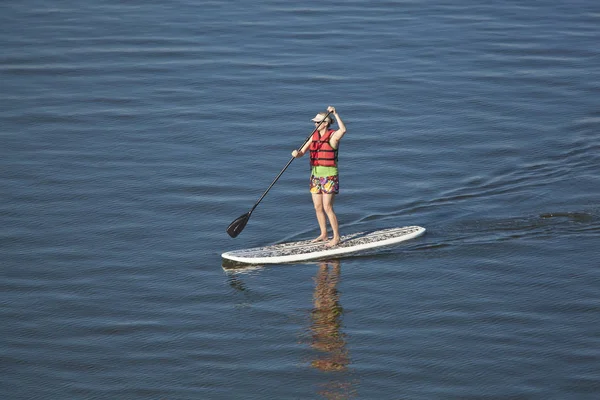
(324, 183)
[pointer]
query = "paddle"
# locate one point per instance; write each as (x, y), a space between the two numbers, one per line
(237, 226)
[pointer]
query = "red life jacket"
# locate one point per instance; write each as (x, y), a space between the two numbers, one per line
(321, 152)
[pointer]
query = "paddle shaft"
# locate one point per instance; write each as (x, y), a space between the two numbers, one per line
(288, 164)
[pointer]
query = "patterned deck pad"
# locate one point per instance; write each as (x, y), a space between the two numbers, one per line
(306, 247)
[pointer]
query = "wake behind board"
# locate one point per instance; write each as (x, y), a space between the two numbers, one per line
(307, 250)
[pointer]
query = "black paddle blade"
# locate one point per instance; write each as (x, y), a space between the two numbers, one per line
(237, 226)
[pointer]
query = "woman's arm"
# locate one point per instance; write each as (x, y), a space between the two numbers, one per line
(337, 135)
(300, 153)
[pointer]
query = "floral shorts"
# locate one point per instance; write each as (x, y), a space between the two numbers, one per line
(324, 184)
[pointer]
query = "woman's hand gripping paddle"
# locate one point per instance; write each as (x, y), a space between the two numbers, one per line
(237, 226)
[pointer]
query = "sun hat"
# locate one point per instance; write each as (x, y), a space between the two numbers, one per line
(319, 117)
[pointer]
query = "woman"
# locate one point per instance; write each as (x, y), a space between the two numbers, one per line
(324, 182)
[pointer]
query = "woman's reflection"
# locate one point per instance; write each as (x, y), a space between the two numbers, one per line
(326, 320)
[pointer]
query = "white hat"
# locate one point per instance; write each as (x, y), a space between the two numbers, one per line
(319, 117)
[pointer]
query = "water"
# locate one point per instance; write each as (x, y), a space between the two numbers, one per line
(134, 133)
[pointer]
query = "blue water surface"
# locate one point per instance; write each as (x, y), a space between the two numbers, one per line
(132, 134)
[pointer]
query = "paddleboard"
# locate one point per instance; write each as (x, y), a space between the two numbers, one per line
(307, 250)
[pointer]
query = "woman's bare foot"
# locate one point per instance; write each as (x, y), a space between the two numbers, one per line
(320, 239)
(333, 242)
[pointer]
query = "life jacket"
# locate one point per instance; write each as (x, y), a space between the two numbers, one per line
(321, 152)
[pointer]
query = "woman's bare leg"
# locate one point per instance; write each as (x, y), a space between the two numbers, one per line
(321, 217)
(328, 200)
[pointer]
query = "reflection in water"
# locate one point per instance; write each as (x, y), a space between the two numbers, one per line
(327, 337)
(326, 320)
(236, 283)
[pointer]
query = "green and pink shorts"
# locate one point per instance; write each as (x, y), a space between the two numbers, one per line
(324, 184)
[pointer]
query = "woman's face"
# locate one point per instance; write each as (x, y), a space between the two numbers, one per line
(323, 125)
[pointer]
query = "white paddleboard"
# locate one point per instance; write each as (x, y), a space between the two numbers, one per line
(306, 250)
